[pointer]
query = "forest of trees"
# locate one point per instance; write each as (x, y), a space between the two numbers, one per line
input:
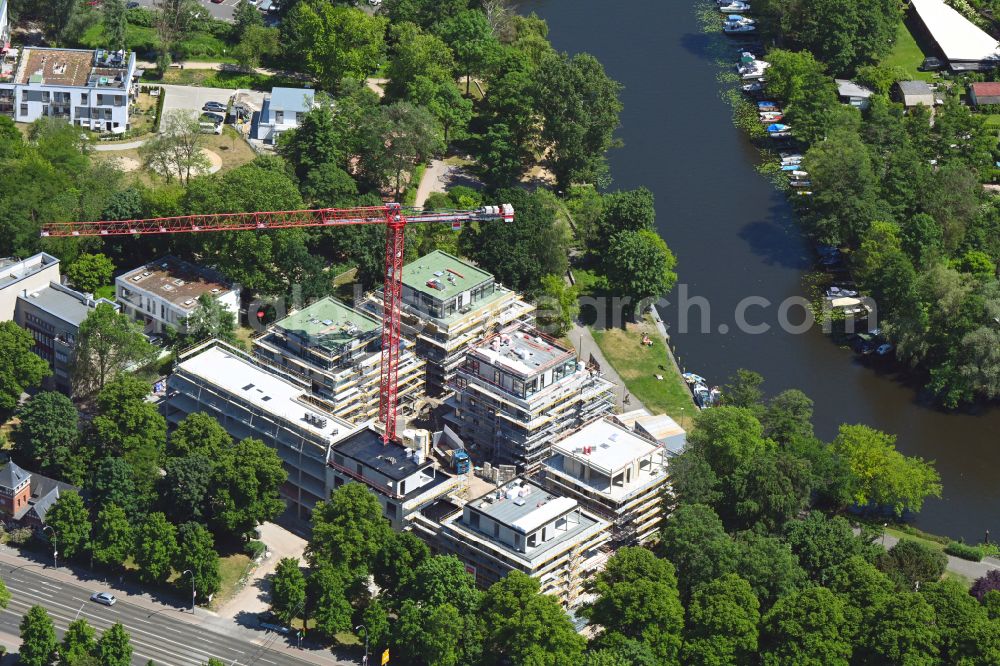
(900, 192)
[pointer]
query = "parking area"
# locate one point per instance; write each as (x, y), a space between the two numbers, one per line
(221, 10)
(192, 98)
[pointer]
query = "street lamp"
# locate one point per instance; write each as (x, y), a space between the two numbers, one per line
(357, 628)
(55, 546)
(188, 571)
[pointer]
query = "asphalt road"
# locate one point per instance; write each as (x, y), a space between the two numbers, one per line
(157, 635)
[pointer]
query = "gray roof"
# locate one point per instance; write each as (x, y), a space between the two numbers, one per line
(42, 505)
(63, 303)
(365, 446)
(915, 88)
(11, 475)
(847, 88)
(298, 100)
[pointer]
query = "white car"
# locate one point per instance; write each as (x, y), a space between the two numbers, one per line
(105, 598)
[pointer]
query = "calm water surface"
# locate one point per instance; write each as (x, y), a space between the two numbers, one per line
(734, 237)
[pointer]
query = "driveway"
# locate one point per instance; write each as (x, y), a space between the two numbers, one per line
(440, 176)
(255, 597)
(192, 98)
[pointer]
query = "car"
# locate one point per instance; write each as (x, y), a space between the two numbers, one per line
(218, 2)
(268, 620)
(884, 349)
(931, 65)
(105, 598)
(214, 106)
(132, 5)
(212, 118)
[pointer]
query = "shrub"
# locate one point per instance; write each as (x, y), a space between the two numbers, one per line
(965, 551)
(987, 583)
(255, 549)
(141, 16)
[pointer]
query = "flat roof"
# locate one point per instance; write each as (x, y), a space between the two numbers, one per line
(179, 282)
(605, 445)
(390, 459)
(72, 67)
(328, 323)
(234, 374)
(521, 348)
(299, 100)
(68, 305)
(525, 513)
(958, 38)
(13, 270)
(442, 275)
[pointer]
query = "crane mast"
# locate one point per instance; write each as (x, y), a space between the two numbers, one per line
(392, 215)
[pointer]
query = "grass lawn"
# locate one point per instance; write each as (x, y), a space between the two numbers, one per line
(907, 55)
(231, 147)
(638, 366)
(993, 120)
(107, 291)
(900, 534)
(231, 570)
(211, 78)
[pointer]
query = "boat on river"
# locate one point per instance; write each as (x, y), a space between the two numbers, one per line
(736, 24)
(735, 7)
(755, 87)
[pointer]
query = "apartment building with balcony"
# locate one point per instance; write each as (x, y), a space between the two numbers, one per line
(518, 391)
(447, 304)
(163, 293)
(338, 349)
(251, 399)
(616, 474)
(405, 480)
(91, 89)
(53, 314)
(521, 527)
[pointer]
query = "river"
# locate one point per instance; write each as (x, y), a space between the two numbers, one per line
(734, 237)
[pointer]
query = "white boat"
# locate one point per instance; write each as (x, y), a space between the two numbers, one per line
(752, 70)
(736, 24)
(755, 87)
(735, 7)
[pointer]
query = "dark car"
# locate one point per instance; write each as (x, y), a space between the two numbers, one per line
(268, 620)
(212, 118)
(931, 65)
(132, 5)
(214, 106)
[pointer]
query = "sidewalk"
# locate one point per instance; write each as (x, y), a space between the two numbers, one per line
(587, 349)
(133, 594)
(965, 568)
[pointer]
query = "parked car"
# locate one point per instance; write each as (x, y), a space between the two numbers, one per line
(884, 349)
(268, 620)
(212, 118)
(105, 598)
(218, 107)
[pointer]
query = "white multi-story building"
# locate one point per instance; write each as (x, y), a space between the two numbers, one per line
(282, 111)
(524, 527)
(165, 292)
(615, 473)
(92, 89)
(517, 391)
(19, 277)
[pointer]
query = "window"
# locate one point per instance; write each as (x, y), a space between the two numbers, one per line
(402, 487)
(390, 510)
(24, 109)
(474, 520)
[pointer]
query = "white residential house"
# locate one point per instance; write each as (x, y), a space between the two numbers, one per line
(165, 292)
(282, 111)
(92, 89)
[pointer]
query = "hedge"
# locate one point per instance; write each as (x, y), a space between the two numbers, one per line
(965, 551)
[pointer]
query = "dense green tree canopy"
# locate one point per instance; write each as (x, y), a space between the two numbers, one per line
(20, 369)
(47, 435)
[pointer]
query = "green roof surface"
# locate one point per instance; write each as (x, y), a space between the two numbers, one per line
(328, 323)
(449, 274)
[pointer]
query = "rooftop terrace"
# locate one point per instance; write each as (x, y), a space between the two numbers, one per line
(176, 281)
(73, 67)
(328, 324)
(522, 350)
(605, 446)
(390, 459)
(13, 270)
(442, 275)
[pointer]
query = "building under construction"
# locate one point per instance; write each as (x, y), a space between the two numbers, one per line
(338, 349)
(448, 303)
(517, 391)
(615, 473)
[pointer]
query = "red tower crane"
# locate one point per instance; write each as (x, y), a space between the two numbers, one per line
(391, 215)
